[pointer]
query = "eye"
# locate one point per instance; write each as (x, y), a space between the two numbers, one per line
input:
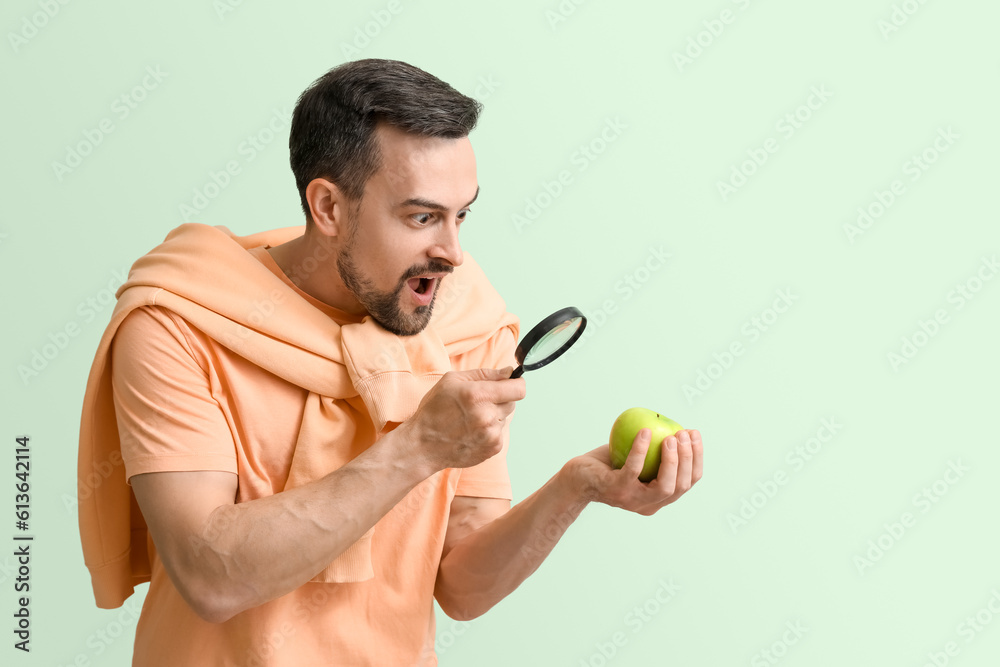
(422, 218)
(463, 213)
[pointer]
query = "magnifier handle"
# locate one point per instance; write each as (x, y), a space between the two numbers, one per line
(518, 372)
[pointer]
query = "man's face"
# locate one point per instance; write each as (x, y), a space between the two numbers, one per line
(404, 240)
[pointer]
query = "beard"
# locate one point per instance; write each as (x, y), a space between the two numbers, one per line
(384, 306)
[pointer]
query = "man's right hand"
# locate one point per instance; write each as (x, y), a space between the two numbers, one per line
(459, 423)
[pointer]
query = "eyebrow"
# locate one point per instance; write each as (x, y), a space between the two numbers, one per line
(433, 205)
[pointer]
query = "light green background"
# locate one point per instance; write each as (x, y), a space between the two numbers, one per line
(553, 88)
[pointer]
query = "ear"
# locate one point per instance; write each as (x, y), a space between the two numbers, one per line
(329, 207)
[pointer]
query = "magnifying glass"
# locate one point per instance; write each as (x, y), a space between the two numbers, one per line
(548, 340)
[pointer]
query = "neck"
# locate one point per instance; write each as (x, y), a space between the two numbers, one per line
(311, 264)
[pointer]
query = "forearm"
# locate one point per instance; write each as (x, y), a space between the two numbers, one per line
(252, 552)
(488, 564)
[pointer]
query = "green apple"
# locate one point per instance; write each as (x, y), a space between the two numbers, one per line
(628, 425)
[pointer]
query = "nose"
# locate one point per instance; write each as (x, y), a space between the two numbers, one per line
(446, 245)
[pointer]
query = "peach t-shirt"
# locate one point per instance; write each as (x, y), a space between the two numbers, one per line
(185, 402)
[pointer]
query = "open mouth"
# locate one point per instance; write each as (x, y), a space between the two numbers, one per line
(422, 289)
(420, 285)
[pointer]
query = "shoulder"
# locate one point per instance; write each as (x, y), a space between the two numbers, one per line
(150, 334)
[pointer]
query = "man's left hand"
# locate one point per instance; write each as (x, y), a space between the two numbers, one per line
(680, 468)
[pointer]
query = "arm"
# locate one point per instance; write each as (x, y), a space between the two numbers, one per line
(489, 551)
(225, 557)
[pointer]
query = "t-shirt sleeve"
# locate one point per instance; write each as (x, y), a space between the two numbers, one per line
(489, 479)
(168, 418)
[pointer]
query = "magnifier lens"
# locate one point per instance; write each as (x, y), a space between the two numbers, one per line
(548, 339)
(553, 341)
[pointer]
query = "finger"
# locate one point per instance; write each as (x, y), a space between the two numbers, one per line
(485, 374)
(502, 391)
(666, 477)
(696, 463)
(505, 409)
(697, 453)
(684, 464)
(637, 455)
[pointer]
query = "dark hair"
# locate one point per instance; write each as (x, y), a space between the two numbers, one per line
(333, 125)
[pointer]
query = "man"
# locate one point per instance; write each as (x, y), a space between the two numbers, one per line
(315, 442)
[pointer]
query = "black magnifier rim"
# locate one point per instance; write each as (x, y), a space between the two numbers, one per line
(543, 328)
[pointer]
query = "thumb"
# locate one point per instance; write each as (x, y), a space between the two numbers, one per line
(490, 373)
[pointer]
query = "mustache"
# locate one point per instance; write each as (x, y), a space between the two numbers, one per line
(433, 267)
